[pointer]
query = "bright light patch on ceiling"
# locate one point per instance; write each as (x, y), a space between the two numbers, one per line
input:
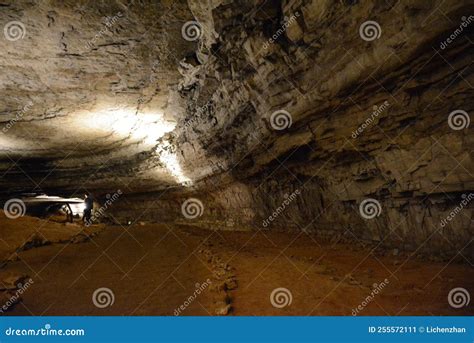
(172, 165)
(146, 128)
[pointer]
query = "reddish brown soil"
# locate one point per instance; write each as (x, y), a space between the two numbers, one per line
(333, 279)
(153, 269)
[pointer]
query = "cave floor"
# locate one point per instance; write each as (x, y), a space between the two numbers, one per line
(153, 269)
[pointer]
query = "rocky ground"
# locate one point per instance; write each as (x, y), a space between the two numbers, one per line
(28, 232)
(156, 269)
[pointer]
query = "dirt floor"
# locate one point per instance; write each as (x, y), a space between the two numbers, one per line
(156, 269)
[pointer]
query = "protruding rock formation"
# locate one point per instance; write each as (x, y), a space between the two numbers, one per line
(319, 107)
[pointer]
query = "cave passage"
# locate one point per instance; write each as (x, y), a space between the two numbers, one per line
(236, 157)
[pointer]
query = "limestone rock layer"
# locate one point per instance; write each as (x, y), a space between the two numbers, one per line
(276, 115)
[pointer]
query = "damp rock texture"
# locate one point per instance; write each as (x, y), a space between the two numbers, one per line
(339, 118)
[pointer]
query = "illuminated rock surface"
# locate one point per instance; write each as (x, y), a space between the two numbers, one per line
(95, 104)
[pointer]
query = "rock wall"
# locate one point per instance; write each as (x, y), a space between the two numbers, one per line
(318, 105)
(370, 119)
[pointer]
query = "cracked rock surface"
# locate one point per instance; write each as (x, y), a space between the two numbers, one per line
(107, 96)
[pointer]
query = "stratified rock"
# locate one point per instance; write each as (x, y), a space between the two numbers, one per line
(135, 103)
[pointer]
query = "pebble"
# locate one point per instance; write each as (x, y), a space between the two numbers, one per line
(11, 282)
(224, 310)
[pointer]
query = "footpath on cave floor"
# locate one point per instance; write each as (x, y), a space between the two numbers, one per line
(158, 269)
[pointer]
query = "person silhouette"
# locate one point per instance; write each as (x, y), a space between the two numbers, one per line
(88, 206)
